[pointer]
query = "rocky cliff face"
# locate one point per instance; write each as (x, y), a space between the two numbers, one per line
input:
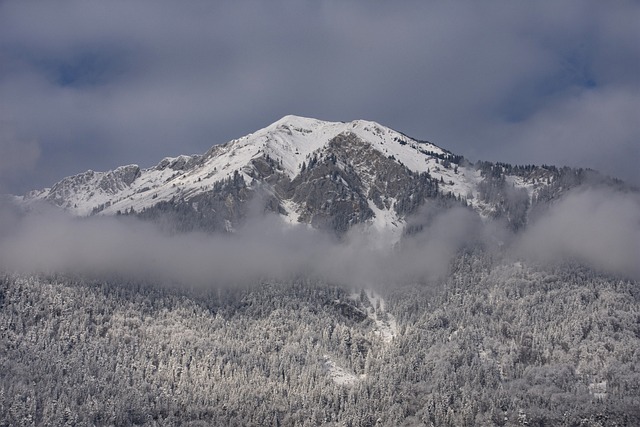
(110, 183)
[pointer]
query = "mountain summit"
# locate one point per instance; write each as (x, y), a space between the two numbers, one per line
(328, 174)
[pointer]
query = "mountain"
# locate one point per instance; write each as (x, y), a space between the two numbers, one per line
(528, 317)
(331, 175)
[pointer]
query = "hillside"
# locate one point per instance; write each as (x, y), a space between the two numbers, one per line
(493, 345)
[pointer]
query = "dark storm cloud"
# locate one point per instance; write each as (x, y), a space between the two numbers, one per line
(96, 84)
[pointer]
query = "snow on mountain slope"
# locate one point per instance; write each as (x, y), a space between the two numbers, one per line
(290, 142)
(386, 326)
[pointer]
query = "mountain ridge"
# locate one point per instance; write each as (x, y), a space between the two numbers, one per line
(368, 173)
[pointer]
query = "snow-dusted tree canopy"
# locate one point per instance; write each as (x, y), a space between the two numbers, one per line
(493, 344)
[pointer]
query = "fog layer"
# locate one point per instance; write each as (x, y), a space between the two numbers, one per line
(598, 228)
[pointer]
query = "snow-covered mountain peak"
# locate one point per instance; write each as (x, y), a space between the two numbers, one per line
(327, 174)
(297, 121)
(292, 139)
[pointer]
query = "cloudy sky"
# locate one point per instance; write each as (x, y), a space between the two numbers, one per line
(93, 85)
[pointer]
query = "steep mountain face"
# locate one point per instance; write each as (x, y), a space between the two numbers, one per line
(330, 175)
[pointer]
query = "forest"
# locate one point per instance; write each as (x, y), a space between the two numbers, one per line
(495, 342)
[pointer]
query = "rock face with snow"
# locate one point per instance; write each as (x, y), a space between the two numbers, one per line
(330, 175)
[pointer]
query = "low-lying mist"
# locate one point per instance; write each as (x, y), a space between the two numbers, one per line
(595, 227)
(264, 249)
(599, 228)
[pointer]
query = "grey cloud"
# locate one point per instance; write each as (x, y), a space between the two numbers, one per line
(597, 129)
(17, 155)
(169, 78)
